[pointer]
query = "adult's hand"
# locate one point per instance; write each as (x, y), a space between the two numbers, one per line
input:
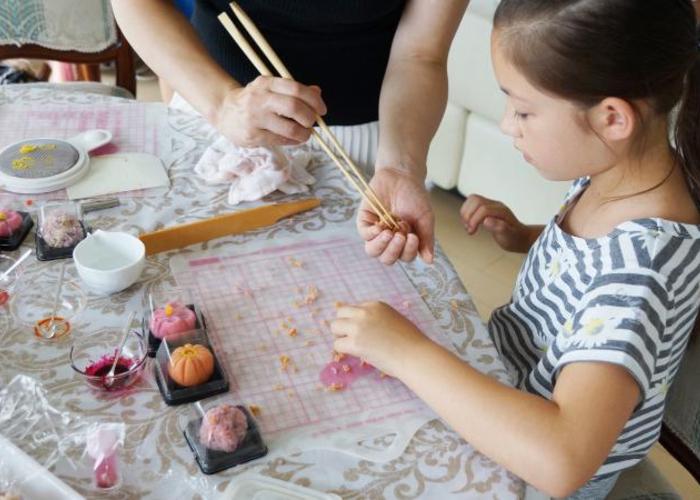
(405, 196)
(269, 111)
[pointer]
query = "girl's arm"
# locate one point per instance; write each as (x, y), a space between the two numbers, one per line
(556, 445)
(411, 105)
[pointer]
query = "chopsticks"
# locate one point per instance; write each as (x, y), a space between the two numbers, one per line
(350, 170)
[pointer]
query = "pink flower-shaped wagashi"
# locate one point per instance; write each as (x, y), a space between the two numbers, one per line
(10, 221)
(171, 319)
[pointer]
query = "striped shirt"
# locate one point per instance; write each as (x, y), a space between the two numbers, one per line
(629, 298)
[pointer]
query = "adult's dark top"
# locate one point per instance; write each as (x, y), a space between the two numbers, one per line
(340, 45)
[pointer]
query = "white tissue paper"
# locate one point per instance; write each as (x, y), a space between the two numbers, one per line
(256, 172)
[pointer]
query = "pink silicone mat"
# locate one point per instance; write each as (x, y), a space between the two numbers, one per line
(251, 301)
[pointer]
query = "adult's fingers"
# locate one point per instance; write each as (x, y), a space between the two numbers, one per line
(309, 95)
(285, 127)
(425, 231)
(410, 250)
(292, 108)
(376, 246)
(368, 224)
(393, 250)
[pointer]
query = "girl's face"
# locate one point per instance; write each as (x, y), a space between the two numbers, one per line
(551, 132)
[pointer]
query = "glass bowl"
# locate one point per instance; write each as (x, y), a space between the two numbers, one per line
(32, 307)
(11, 284)
(92, 360)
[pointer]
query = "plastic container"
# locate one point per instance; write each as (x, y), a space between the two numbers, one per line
(212, 461)
(12, 283)
(255, 486)
(59, 221)
(174, 393)
(177, 297)
(14, 240)
(32, 307)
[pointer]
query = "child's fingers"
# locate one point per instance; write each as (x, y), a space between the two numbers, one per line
(472, 202)
(344, 345)
(497, 211)
(495, 225)
(342, 327)
(347, 312)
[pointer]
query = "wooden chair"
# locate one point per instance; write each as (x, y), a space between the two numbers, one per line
(89, 69)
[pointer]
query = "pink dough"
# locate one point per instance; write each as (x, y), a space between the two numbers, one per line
(341, 374)
(181, 319)
(223, 428)
(10, 221)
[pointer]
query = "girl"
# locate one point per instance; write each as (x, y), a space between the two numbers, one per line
(605, 302)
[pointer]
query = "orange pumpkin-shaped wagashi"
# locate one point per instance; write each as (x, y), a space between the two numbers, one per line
(191, 364)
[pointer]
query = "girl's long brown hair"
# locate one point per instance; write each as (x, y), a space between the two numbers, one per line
(587, 50)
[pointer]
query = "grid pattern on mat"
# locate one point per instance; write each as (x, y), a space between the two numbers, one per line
(251, 302)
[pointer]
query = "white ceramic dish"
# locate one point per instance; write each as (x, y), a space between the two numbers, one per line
(109, 262)
(56, 177)
(34, 482)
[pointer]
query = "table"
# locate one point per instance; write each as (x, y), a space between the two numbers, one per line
(157, 462)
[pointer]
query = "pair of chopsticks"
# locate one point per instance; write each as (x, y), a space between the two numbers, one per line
(350, 170)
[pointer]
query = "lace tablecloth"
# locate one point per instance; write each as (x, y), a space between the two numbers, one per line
(81, 25)
(157, 462)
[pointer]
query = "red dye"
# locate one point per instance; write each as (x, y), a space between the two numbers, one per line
(101, 368)
(4, 297)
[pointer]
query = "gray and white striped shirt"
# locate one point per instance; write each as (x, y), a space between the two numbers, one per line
(629, 298)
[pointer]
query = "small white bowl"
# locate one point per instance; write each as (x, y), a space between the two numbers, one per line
(109, 262)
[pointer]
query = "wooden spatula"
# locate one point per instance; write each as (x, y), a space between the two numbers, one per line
(222, 225)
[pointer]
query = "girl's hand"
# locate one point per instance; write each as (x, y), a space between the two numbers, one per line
(378, 334)
(269, 111)
(497, 219)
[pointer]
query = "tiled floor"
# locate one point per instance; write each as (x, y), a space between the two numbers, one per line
(488, 273)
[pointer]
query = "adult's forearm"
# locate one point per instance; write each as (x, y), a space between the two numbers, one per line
(412, 102)
(166, 41)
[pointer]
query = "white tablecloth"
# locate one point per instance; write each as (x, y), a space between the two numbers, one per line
(156, 460)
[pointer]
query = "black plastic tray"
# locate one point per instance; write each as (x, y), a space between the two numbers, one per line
(14, 241)
(212, 461)
(46, 252)
(175, 394)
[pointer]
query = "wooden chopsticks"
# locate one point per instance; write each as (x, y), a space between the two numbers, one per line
(351, 171)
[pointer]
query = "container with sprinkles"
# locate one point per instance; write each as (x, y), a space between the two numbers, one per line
(60, 229)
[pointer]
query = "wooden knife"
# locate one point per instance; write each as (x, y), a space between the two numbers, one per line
(190, 233)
